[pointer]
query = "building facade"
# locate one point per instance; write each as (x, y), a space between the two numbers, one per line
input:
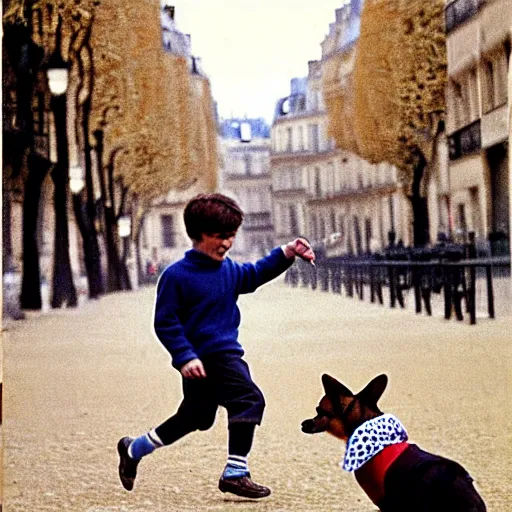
(478, 48)
(245, 176)
(298, 147)
(331, 195)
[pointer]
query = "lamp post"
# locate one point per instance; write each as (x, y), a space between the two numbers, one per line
(124, 229)
(76, 179)
(64, 292)
(124, 226)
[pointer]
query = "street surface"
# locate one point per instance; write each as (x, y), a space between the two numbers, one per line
(75, 381)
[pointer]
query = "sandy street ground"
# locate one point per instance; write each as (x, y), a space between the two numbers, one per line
(76, 381)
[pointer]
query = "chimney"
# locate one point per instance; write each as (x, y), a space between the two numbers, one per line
(169, 9)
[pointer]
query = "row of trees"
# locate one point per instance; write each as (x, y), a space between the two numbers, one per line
(135, 124)
(390, 103)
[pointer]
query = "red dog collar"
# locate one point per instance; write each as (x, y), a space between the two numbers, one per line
(371, 475)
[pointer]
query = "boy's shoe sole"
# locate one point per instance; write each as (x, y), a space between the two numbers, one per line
(244, 487)
(127, 465)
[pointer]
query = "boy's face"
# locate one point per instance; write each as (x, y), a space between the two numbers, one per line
(215, 245)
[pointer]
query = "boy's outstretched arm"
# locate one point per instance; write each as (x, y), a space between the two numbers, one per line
(253, 275)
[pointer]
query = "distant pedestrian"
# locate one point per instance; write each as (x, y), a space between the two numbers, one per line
(197, 320)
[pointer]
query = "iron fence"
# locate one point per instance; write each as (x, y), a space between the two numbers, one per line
(467, 287)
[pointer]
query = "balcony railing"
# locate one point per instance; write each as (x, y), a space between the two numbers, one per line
(261, 220)
(247, 176)
(465, 141)
(460, 11)
(353, 190)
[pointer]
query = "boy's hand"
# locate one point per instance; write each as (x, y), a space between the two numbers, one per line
(194, 369)
(299, 247)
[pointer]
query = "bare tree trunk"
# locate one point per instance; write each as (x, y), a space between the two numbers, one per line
(92, 254)
(109, 219)
(85, 215)
(30, 287)
(419, 203)
(124, 274)
(24, 58)
(141, 271)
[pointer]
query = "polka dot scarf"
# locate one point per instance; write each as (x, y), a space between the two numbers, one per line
(370, 438)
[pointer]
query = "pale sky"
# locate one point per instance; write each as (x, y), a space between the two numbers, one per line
(250, 49)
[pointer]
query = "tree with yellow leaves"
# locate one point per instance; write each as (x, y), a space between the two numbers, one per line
(395, 97)
(152, 127)
(143, 114)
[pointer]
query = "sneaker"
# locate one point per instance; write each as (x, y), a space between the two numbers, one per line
(243, 486)
(127, 465)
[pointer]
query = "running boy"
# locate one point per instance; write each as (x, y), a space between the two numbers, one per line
(197, 319)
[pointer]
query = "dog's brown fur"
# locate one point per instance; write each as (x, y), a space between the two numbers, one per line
(416, 480)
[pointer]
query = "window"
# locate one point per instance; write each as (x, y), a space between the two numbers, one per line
(473, 95)
(314, 138)
(489, 86)
(245, 132)
(294, 222)
(247, 164)
(318, 185)
(168, 235)
(461, 220)
(331, 177)
(296, 178)
(314, 230)
(301, 138)
(288, 139)
(341, 225)
(323, 229)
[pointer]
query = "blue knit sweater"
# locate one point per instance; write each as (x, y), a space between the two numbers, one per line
(195, 310)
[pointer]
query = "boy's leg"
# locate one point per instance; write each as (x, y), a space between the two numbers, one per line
(239, 446)
(245, 404)
(196, 412)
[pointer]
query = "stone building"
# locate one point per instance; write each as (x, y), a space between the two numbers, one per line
(329, 194)
(478, 189)
(245, 176)
(370, 198)
(298, 144)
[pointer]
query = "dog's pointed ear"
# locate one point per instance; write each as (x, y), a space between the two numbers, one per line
(374, 389)
(334, 389)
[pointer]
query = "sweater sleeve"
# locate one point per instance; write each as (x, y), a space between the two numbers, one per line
(168, 327)
(253, 275)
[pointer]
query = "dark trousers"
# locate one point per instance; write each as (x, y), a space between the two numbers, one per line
(229, 384)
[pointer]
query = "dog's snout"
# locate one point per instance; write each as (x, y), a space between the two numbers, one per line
(308, 426)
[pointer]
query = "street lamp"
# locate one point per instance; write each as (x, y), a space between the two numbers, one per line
(58, 74)
(124, 226)
(76, 179)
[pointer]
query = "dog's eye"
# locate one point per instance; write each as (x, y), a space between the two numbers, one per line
(323, 412)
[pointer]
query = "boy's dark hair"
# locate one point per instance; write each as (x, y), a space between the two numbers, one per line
(211, 213)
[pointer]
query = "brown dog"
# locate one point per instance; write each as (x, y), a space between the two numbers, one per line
(396, 475)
